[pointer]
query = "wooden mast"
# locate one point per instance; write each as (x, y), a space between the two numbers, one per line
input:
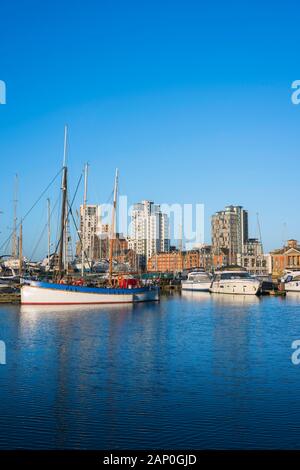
(181, 247)
(49, 230)
(112, 232)
(261, 260)
(63, 208)
(21, 249)
(83, 235)
(15, 220)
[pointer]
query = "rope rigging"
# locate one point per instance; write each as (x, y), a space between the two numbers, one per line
(30, 210)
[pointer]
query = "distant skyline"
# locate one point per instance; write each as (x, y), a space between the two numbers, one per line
(190, 100)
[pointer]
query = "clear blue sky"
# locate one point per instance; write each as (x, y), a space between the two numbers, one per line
(190, 99)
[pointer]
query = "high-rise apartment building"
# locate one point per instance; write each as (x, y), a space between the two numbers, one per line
(149, 231)
(90, 216)
(230, 232)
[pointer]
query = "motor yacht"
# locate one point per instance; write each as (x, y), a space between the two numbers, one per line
(235, 281)
(197, 281)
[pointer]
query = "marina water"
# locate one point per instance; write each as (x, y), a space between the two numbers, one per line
(193, 371)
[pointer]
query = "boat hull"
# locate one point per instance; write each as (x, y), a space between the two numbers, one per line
(236, 288)
(292, 286)
(196, 286)
(55, 294)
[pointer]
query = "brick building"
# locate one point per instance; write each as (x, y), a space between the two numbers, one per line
(287, 257)
(177, 261)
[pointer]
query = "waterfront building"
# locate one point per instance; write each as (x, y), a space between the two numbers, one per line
(253, 258)
(96, 236)
(229, 232)
(220, 257)
(253, 247)
(287, 257)
(101, 242)
(149, 231)
(198, 258)
(166, 262)
(90, 216)
(178, 261)
(231, 243)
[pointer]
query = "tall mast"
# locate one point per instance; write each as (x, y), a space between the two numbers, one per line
(113, 221)
(63, 206)
(260, 240)
(21, 249)
(181, 247)
(49, 230)
(15, 237)
(86, 174)
(83, 243)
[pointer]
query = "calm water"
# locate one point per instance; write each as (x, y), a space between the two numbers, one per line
(196, 371)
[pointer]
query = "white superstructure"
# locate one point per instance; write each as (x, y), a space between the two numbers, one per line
(197, 281)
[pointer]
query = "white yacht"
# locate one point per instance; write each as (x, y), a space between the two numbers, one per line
(291, 281)
(197, 281)
(235, 281)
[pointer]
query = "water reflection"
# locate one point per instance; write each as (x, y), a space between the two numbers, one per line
(27, 310)
(193, 371)
(195, 295)
(92, 356)
(232, 299)
(225, 299)
(293, 297)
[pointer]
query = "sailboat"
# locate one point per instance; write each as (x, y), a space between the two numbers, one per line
(61, 292)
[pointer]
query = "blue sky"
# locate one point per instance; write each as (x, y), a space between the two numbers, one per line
(190, 99)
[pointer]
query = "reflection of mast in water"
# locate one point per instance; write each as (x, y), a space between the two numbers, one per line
(68, 357)
(74, 361)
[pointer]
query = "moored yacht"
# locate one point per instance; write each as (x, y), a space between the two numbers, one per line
(291, 281)
(235, 281)
(197, 281)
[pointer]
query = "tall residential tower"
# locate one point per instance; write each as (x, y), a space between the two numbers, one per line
(149, 231)
(230, 232)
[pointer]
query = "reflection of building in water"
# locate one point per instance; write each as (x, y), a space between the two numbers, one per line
(234, 324)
